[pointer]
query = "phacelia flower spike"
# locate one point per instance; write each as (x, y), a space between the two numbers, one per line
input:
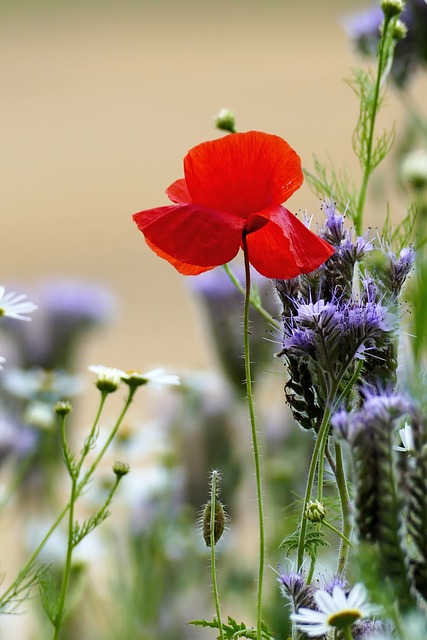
(235, 187)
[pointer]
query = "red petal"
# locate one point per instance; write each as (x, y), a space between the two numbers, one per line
(284, 247)
(242, 173)
(182, 267)
(191, 235)
(178, 192)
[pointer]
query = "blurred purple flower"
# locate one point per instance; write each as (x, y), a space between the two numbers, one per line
(67, 308)
(224, 310)
(411, 52)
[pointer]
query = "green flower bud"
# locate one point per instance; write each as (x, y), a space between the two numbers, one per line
(121, 469)
(63, 408)
(400, 30)
(315, 511)
(219, 525)
(225, 121)
(392, 8)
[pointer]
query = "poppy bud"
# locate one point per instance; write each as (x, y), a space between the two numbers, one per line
(219, 526)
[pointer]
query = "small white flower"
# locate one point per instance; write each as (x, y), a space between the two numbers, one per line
(40, 415)
(336, 611)
(156, 378)
(407, 438)
(108, 379)
(12, 305)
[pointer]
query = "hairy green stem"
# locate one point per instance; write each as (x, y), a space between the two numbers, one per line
(255, 304)
(345, 510)
(213, 563)
(320, 442)
(246, 334)
(367, 170)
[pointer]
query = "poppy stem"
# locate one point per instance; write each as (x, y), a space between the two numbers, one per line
(246, 334)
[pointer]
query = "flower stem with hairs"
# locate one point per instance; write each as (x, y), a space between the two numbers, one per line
(246, 334)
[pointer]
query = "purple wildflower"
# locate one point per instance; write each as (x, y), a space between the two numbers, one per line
(410, 53)
(67, 309)
(223, 304)
(400, 268)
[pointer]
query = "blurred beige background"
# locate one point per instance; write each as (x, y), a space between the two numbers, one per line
(101, 101)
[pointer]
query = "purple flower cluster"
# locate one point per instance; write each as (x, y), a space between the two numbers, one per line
(331, 326)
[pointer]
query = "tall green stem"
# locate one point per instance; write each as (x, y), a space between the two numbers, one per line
(367, 168)
(67, 569)
(345, 510)
(246, 334)
(257, 305)
(213, 563)
(318, 448)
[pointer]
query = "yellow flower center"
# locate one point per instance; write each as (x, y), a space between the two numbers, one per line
(344, 618)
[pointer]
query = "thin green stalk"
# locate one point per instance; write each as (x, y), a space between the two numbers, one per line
(213, 563)
(27, 567)
(114, 430)
(256, 306)
(345, 510)
(254, 437)
(89, 439)
(323, 429)
(67, 569)
(348, 634)
(367, 170)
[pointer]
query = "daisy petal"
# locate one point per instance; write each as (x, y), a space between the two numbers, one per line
(308, 615)
(325, 602)
(284, 245)
(242, 173)
(339, 598)
(191, 234)
(315, 630)
(357, 596)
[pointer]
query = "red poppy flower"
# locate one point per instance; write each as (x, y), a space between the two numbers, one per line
(235, 186)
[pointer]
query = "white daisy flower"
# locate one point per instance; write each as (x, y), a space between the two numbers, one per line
(407, 438)
(156, 378)
(336, 611)
(13, 305)
(108, 379)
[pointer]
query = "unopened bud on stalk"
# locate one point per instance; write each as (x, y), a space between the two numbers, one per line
(225, 121)
(315, 511)
(63, 408)
(220, 517)
(121, 469)
(400, 30)
(392, 8)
